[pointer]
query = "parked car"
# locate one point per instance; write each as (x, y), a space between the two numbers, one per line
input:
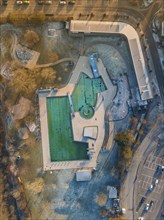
(71, 2)
(160, 168)
(62, 2)
(48, 2)
(26, 2)
(143, 199)
(116, 205)
(40, 2)
(5, 2)
(19, 2)
(147, 207)
(156, 182)
(151, 203)
(151, 187)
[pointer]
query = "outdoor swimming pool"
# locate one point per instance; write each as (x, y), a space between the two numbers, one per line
(84, 97)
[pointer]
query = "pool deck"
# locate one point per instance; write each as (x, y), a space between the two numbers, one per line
(78, 123)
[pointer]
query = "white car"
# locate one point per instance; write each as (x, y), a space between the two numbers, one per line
(19, 2)
(156, 182)
(147, 207)
(48, 2)
(140, 218)
(62, 2)
(151, 187)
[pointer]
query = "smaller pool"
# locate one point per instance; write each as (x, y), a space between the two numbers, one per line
(86, 111)
(84, 96)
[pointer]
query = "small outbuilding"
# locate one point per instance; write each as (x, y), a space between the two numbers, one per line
(91, 132)
(162, 29)
(83, 175)
(112, 192)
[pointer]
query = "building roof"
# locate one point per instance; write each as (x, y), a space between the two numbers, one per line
(83, 175)
(134, 44)
(90, 132)
(112, 192)
(162, 30)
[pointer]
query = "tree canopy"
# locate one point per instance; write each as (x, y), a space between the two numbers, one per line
(26, 81)
(125, 138)
(31, 37)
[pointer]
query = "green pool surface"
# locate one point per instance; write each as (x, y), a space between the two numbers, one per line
(84, 97)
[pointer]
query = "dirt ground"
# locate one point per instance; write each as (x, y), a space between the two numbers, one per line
(57, 195)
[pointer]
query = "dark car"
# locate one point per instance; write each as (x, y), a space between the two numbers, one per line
(151, 203)
(116, 205)
(143, 199)
(159, 170)
(5, 2)
(71, 2)
(40, 2)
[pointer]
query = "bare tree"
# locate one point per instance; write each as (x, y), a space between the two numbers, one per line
(31, 37)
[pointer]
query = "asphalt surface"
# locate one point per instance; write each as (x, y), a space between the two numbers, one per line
(146, 176)
(127, 188)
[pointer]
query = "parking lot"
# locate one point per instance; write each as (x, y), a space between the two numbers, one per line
(146, 178)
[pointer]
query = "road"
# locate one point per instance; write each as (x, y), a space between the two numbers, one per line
(145, 177)
(127, 188)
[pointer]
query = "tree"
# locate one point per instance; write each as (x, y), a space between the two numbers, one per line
(140, 132)
(17, 19)
(26, 81)
(118, 218)
(127, 153)
(36, 186)
(48, 74)
(31, 37)
(103, 212)
(101, 199)
(143, 121)
(53, 57)
(133, 120)
(37, 18)
(20, 19)
(22, 82)
(125, 138)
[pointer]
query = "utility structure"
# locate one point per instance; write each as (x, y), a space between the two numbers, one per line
(71, 105)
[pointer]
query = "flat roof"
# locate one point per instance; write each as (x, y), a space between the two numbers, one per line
(134, 44)
(162, 30)
(90, 132)
(112, 192)
(83, 175)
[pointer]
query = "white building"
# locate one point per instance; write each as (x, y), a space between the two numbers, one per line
(132, 36)
(83, 175)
